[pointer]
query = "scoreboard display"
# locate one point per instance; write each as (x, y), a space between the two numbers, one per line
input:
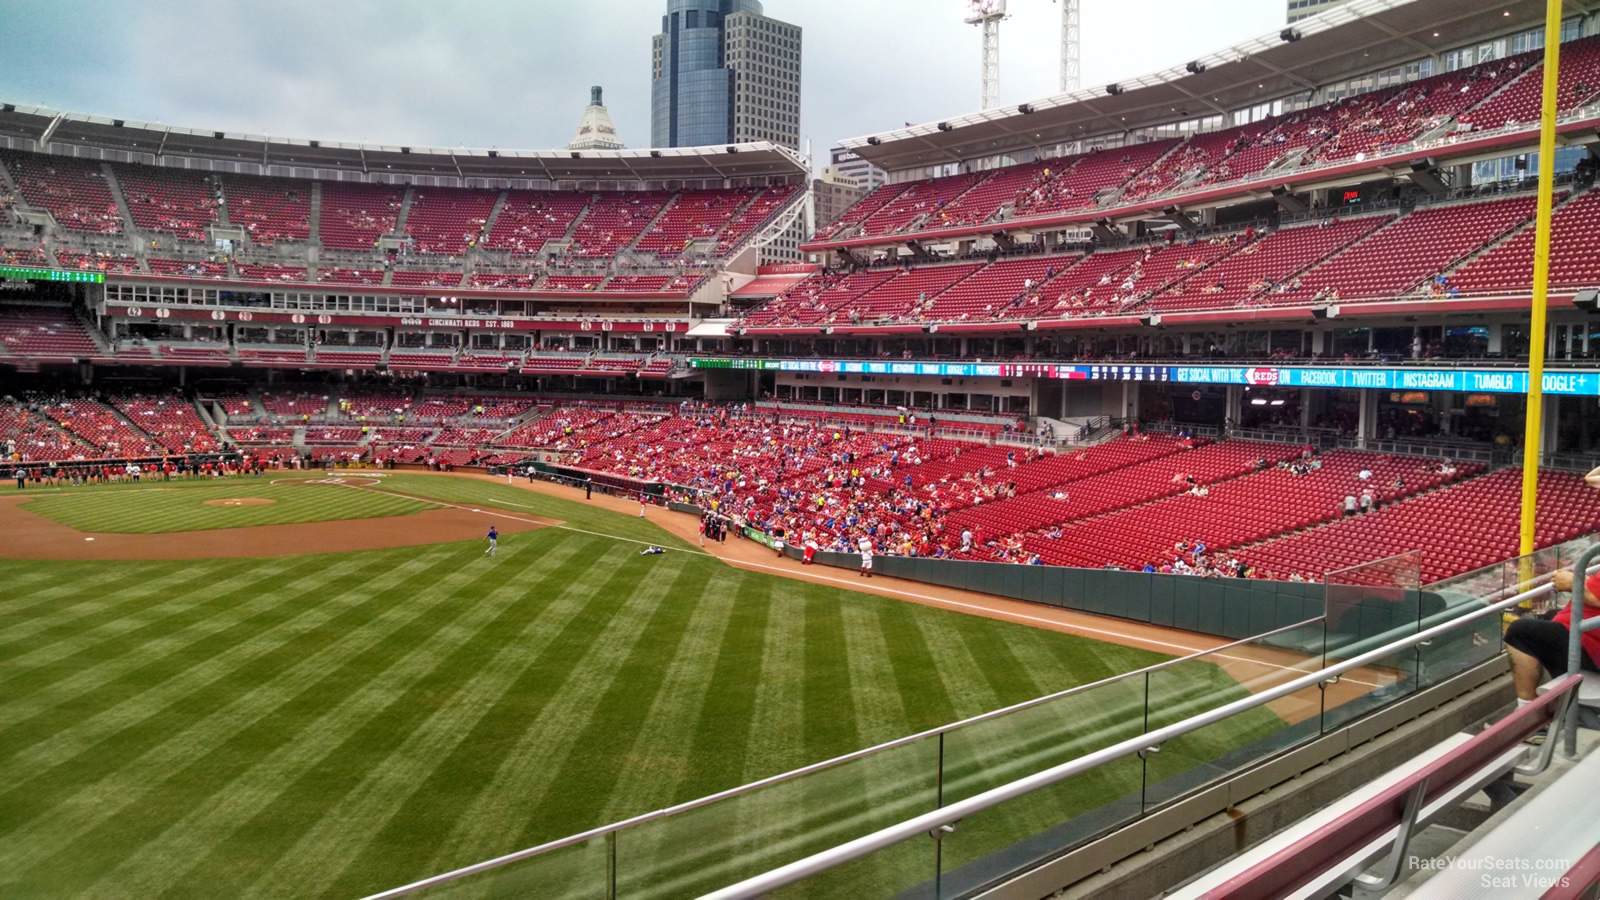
(22, 273)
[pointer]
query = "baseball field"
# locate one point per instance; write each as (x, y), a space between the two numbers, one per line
(283, 687)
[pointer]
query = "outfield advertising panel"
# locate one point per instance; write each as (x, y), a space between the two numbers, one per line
(1233, 608)
(1578, 383)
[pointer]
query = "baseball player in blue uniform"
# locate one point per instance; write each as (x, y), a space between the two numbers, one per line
(494, 538)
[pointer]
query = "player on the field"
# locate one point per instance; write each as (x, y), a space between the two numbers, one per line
(494, 538)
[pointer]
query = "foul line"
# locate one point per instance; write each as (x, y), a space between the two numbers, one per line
(57, 489)
(1082, 630)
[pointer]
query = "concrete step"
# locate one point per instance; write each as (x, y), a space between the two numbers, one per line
(120, 197)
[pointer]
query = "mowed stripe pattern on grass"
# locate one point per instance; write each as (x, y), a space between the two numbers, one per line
(573, 514)
(338, 724)
(182, 506)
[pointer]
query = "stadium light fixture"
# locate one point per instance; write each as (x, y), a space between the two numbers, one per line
(1195, 67)
(217, 135)
(1290, 35)
(874, 141)
(494, 154)
(1025, 108)
(406, 150)
(655, 154)
(1114, 89)
(946, 126)
(116, 123)
(316, 144)
(577, 155)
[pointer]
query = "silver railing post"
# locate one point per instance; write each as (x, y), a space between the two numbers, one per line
(1576, 627)
(611, 865)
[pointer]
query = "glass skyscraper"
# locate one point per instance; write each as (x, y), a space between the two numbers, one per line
(724, 73)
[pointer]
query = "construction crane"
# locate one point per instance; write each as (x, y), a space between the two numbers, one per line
(988, 14)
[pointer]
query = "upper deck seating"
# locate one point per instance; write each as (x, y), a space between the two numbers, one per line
(354, 216)
(270, 210)
(72, 190)
(169, 201)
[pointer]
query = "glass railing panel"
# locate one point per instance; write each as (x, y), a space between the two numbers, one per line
(692, 852)
(581, 871)
(1196, 686)
(1369, 606)
(1022, 833)
(997, 752)
(906, 871)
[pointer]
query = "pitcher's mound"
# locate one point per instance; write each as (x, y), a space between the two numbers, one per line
(241, 501)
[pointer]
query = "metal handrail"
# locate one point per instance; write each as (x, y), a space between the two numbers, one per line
(935, 821)
(1577, 625)
(1458, 452)
(624, 824)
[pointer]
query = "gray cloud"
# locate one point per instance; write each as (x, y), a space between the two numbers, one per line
(516, 73)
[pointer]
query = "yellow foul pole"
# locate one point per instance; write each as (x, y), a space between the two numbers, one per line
(1532, 446)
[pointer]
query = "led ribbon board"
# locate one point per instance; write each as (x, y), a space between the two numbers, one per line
(1581, 383)
(21, 273)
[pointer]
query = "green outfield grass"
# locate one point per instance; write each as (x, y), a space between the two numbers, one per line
(161, 507)
(336, 724)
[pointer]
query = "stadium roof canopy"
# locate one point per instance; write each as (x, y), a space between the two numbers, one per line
(155, 140)
(1344, 42)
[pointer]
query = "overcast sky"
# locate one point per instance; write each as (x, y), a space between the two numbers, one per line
(516, 73)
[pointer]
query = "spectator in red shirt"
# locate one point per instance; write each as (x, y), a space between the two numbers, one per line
(1536, 643)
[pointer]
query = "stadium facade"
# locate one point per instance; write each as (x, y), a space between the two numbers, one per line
(1235, 238)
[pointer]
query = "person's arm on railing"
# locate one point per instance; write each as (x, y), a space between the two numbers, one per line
(1563, 583)
(1593, 479)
